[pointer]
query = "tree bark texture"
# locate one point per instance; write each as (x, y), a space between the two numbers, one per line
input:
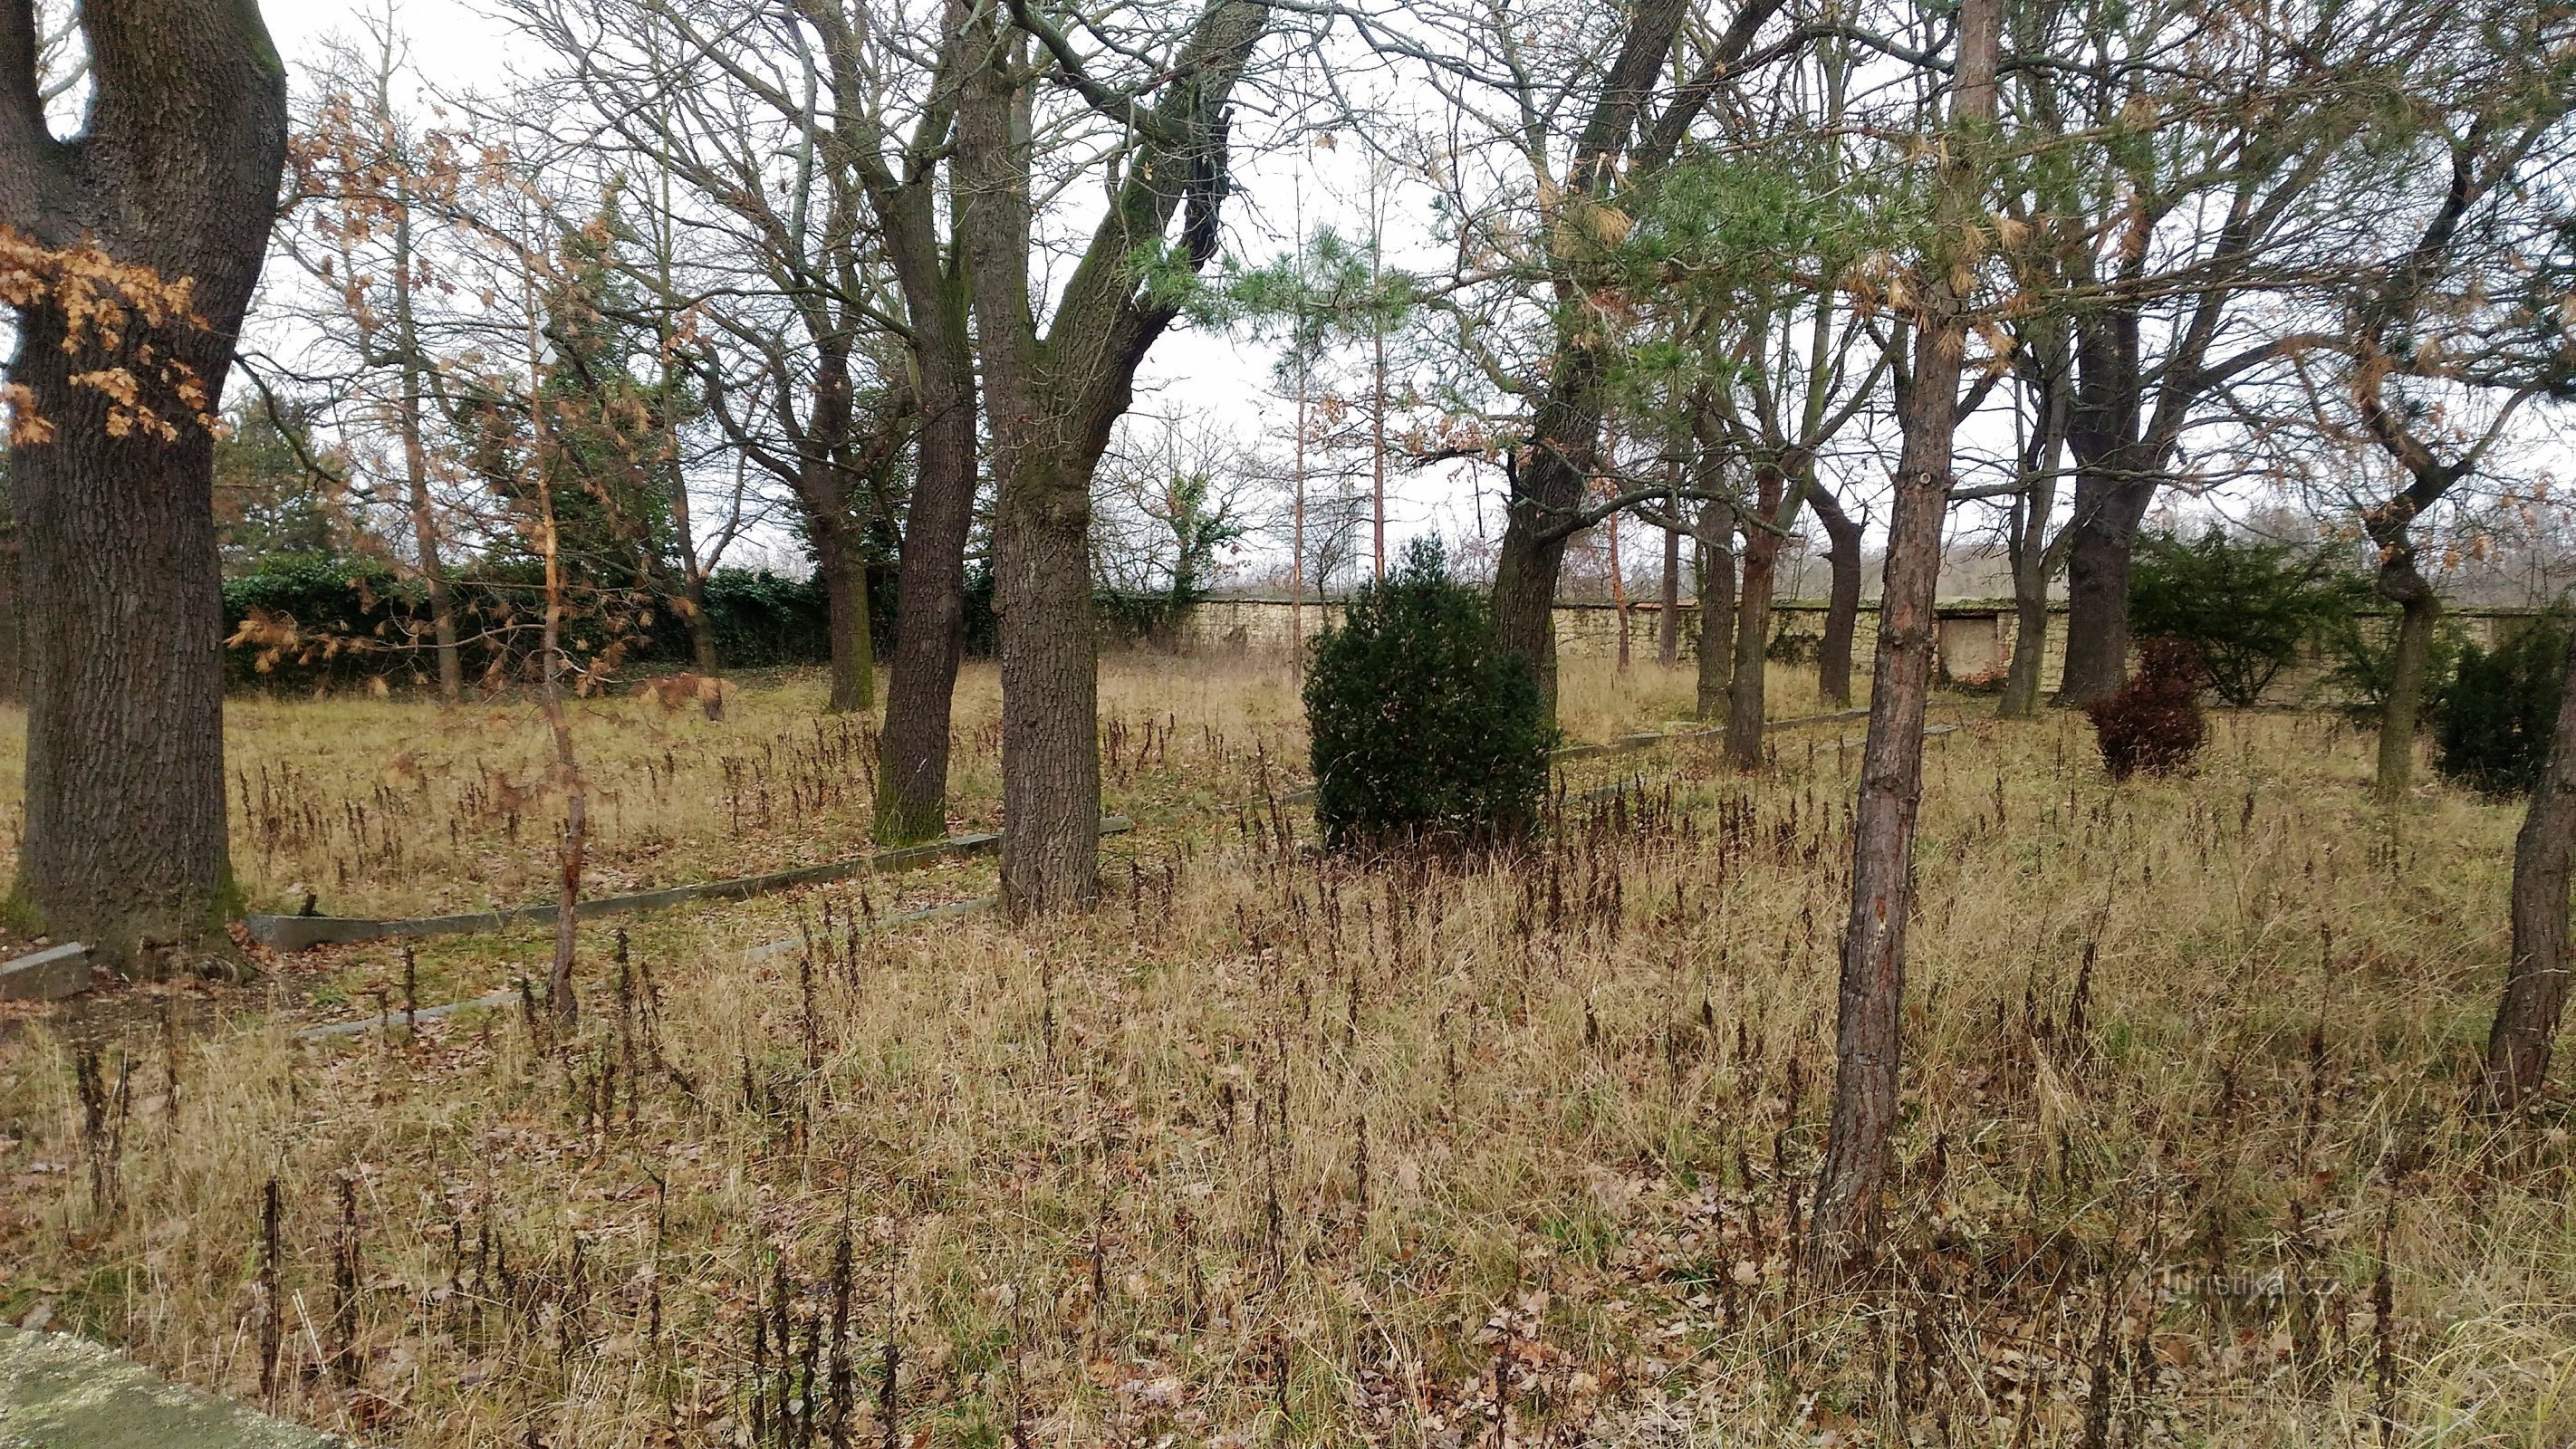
(930, 616)
(1565, 437)
(1054, 396)
(1753, 626)
(2418, 611)
(2535, 986)
(1716, 607)
(13, 604)
(1868, 1044)
(1842, 601)
(1668, 623)
(177, 172)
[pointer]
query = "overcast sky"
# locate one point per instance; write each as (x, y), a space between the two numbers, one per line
(459, 46)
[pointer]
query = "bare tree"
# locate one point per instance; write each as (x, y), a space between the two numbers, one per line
(1054, 394)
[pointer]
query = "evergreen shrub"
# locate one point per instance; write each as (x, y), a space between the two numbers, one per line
(1424, 730)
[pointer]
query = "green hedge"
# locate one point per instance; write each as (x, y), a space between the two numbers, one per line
(316, 621)
(356, 620)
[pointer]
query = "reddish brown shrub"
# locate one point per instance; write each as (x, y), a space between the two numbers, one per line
(2153, 726)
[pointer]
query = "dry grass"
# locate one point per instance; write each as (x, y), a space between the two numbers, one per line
(387, 807)
(1278, 1150)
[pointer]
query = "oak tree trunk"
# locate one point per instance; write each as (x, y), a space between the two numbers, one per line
(177, 172)
(1053, 398)
(840, 558)
(13, 604)
(2535, 985)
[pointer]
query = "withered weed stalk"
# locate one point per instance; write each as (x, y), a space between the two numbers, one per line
(1420, 1151)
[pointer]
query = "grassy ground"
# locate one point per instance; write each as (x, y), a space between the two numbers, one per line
(1277, 1149)
(384, 807)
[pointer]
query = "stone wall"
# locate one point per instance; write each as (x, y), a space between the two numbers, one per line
(1976, 640)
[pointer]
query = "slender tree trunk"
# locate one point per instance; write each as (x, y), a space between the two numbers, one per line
(2535, 984)
(930, 617)
(424, 518)
(1618, 590)
(1716, 608)
(2030, 651)
(1377, 451)
(1297, 536)
(560, 1001)
(2399, 713)
(1668, 623)
(930, 624)
(1753, 629)
(1842, 601)
(177, 172)
(1868, 1044)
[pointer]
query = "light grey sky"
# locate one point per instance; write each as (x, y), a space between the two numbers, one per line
(459, 46)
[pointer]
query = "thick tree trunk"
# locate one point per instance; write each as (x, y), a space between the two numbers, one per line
(1716, 607)
(840, 559)
(125, 844)
(1753, 629)
(2535, 984)
(1868, 1044)
(1548, 487)
(1050, 715)
(2107, 514)
(177, 172)
(1053, 401)
(2404, 707)
(1842, 601)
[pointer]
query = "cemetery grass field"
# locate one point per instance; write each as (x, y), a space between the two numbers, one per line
(1279, 1148)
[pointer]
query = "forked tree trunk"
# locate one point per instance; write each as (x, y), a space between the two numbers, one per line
(1716, 607)
(1053, 399)
(1868, 1044)
(124, 844)
(1566, 426)
(2400, 712)
(2535, 984)
(1842, 599)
